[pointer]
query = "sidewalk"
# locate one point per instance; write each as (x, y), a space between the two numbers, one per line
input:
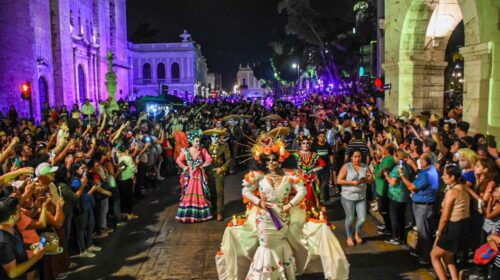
(156, 246)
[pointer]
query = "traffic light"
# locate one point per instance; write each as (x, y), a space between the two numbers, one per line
(26, 91)
(378, 87)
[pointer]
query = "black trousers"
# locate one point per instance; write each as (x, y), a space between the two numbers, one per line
(397, 213)
(142, 170)
(126, 195)
(383, 209)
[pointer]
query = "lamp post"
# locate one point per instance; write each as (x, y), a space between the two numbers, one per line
(297, 66)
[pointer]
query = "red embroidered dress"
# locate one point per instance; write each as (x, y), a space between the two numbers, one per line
(306, 162)
(195, 197)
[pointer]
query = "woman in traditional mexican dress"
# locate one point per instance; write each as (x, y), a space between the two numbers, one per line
(276, 234)
(274, 258)
(195, 197)
(308, 163)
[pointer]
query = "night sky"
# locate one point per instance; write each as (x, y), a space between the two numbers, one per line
(230, 32)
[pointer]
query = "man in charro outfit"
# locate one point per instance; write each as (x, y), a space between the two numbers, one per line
(235, 138)
(221, 156)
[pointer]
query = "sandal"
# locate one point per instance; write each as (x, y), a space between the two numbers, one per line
(358, 238)
(350, 242)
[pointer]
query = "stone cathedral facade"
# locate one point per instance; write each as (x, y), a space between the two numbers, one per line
(60, 46)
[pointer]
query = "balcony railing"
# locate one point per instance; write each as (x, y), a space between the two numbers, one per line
(141, 81)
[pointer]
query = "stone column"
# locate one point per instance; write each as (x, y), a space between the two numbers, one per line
(391, 101)
(477, 73)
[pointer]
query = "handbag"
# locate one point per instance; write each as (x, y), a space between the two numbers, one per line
(484, 254)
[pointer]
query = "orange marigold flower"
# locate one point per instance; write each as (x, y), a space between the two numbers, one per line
(220, 253)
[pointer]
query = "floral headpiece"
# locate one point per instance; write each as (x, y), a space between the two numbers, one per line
(194, 134)
(270, 143)
(302, 138)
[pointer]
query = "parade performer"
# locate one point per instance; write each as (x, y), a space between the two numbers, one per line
(235, 138)
(308, 163)
(195, 195)
(221, 161)
(276, 235)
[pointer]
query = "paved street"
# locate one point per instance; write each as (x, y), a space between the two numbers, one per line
(158, 247)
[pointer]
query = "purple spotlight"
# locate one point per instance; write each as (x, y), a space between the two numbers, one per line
(330, 85)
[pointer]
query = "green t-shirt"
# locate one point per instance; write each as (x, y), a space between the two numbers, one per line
(380, 182)
(399, 192)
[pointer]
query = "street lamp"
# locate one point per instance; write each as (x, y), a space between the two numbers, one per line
(297, 66)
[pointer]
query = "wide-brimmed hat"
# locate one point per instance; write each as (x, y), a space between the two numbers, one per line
(230, 117)
(272, 117)
(213, 131)
(279, 131)
(45, 168)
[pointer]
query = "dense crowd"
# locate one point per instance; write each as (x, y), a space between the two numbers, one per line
(76, 175)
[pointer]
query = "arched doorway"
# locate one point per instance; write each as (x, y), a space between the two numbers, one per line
(176, 73)
(81, 85)
(160, 73)
(43, 92)
(146, 73)
(415, 58)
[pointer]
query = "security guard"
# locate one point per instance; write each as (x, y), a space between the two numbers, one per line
(221, 161)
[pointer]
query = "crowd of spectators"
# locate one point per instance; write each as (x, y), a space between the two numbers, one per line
(76, 176)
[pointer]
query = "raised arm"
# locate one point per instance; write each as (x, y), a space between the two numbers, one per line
(250, 182)
(5, 154)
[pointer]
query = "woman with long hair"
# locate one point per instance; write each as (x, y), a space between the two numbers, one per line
(354, 177)
(486, 176)
(453, 225)
(308, 163)
(195, 197)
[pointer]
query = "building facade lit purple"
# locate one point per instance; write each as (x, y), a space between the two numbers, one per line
(60, 47)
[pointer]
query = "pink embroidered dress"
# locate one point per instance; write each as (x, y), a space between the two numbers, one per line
(195, 196)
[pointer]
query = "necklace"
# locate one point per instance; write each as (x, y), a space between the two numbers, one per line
(306, 156)
(274, 178)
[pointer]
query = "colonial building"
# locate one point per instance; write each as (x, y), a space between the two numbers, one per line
(248, 85)
(181, 66)
(214, 81)
(61, 51)
(416, 36)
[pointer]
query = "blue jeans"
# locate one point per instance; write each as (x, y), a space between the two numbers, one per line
(424, 219)
(351, 208)
(85, 224)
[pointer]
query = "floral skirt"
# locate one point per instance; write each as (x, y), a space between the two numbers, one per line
(274, 258)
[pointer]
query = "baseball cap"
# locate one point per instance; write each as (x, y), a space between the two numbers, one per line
(44, 168)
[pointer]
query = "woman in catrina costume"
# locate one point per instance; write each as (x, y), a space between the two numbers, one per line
(308, 163)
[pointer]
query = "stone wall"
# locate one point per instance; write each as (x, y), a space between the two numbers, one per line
(17, 53)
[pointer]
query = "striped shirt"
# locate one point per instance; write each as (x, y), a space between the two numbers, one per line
(358, 144)
(497, 259)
